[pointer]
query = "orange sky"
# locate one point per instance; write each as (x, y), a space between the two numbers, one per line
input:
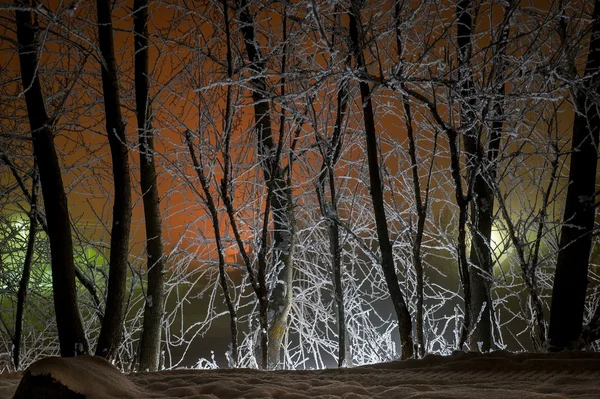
(82, 134)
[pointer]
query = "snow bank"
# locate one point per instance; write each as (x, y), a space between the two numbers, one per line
(91, 376)
(462, 375)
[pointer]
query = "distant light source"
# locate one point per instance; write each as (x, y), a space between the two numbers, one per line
(499, 244)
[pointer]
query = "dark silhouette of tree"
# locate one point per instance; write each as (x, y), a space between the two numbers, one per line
(70, 330)
(112, 325)
(421, 204)
(214, 218)
(26, 274)
(479, 196)
(571, 278)
(149, 351)
(481, 153)
(330, 151)
(387, 256)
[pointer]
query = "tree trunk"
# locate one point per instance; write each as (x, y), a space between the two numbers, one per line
(334, 230)
(462, 201)
(482, 196)
(280, 298)
(570, 281)
(214, 217)
(480, 258)
(154, 306)
(68, 321)
(421, 208)
(329, 210)
(112, 325)
(387, 256)
(421, 204)
(24, 282)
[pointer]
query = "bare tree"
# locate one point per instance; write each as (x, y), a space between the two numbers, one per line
(481, 160)
(110, 333)
(214, 216)
(154, 305)
(387, 258)
(70, 329)
(570, 281)
(330, 152)
(24, 282)
(280, 297)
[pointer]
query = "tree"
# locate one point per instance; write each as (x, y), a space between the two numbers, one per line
(280, 297)
(70, 329)
(571, 278)
(214, 217)
(24, 282)
(481, 162)
(110, 333)
(330, 152)
(149, 351)
(387, 258)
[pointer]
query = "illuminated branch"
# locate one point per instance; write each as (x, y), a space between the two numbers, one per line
(210, 203)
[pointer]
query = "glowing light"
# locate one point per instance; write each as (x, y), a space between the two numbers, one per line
(499, 244)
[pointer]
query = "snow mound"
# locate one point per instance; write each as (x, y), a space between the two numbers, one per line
(91, 376)
(498, 375)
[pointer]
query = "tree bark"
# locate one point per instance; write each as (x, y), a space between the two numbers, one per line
(329, 210)
(112, 325)
(420, 204)
(387, 256)
(481, 172)
(280, 298)
(24, 282)
(68, 321)
(462, 200)
(154, 306)
(570, 281)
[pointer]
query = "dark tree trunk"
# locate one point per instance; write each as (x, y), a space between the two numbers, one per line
(421, 208)
(481, 260)
(280, 298)
(214, 216)
(154, 306)
(570, 281)
(482, 196)
(336, 261)
(257, 279)
(112, 325)
(24, 282)
(482, 205)
(334, 233)
(68, 321)
(421, 204)
(462, 201)
(329, 210)
(479, 326)
(387, 256)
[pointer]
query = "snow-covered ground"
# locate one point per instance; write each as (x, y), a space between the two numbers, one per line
(463, 375)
